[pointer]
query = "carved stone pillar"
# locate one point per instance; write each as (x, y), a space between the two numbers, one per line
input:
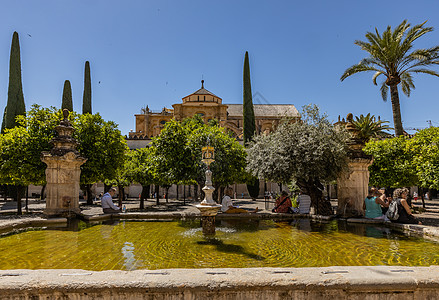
(352, 187)
(63, 171)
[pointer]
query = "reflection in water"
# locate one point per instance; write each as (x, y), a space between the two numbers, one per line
(128, 254)
(240, 244)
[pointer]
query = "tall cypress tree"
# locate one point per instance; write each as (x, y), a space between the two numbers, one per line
(86, 100)
(249, 122)
(15, 105)
(67, 101)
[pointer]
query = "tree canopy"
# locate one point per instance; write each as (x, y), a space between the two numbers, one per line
(15, 105)
(67, 101)
(391, 54)
(309, 153)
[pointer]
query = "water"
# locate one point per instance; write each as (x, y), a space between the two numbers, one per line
(239, 243)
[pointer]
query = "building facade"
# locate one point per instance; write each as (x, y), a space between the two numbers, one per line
(209, 106)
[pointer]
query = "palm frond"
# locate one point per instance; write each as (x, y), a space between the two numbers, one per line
(425, 71)
(407, 83)
(375, 76)
(384, 90)
(357, 69)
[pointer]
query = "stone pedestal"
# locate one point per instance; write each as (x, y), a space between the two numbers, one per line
(63, 171)
(208, 207)
(352, 188)
(62, 176)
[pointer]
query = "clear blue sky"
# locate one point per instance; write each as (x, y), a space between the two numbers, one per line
(156, 52)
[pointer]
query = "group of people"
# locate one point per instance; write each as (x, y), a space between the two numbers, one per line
(376, 205)
(284, 204)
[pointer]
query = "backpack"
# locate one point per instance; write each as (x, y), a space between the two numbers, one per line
(392, 212)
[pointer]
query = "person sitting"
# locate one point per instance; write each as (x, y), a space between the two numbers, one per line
(372, 205)
(107, 202)
(404, 211)
(227, 205)
(304, 203)
(283, 203)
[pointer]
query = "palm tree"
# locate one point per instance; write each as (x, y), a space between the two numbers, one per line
(368, 127)
(390, 56)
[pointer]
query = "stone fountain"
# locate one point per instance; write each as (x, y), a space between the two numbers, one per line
(208, 207)
(63, 171)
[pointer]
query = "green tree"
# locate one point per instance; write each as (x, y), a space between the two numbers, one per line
(104, 147)
(121, 178)
(249, 123)
(392, 163)
(425, 148)
(86, 100)
(309, 153)
(15, 105)
(171, 156)
(21, 147)
(139, 170)
(368, 127)
(229, 164)
(67, 101)
(391, 55)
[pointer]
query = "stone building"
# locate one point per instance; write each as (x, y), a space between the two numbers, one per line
(209, 106)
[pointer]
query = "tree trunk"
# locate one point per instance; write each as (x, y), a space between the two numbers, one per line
(43, 190)
(157, 195)
(17, 195)
(27, 199)
(397, 122)
(143, 195)
(196, 192)
(177, 192)
(314, 189)
(121, 196)
(5, 190)
(88, 192)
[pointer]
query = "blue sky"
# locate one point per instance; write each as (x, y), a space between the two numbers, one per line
(156, 52)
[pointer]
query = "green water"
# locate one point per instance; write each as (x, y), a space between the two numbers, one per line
(238, 244)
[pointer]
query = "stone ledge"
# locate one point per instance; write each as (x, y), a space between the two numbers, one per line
(378, 282)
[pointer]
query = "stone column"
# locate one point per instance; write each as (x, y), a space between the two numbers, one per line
(63, 171)
(352, 187)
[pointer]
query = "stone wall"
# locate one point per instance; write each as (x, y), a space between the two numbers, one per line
(365, 283)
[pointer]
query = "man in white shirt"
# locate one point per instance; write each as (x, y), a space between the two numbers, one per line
(227, 205)
(107, 202)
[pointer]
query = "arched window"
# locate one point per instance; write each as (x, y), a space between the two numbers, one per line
(163, 122)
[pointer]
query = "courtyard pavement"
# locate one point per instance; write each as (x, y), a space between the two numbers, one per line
(429, 217)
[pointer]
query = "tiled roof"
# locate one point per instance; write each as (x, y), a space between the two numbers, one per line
(265, 110)
(203, 91)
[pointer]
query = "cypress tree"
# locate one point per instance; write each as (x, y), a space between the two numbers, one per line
(86, 100)
(67, 101)
(249, 123)
(15, 105)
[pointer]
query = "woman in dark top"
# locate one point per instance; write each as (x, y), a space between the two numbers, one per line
(405, 213)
